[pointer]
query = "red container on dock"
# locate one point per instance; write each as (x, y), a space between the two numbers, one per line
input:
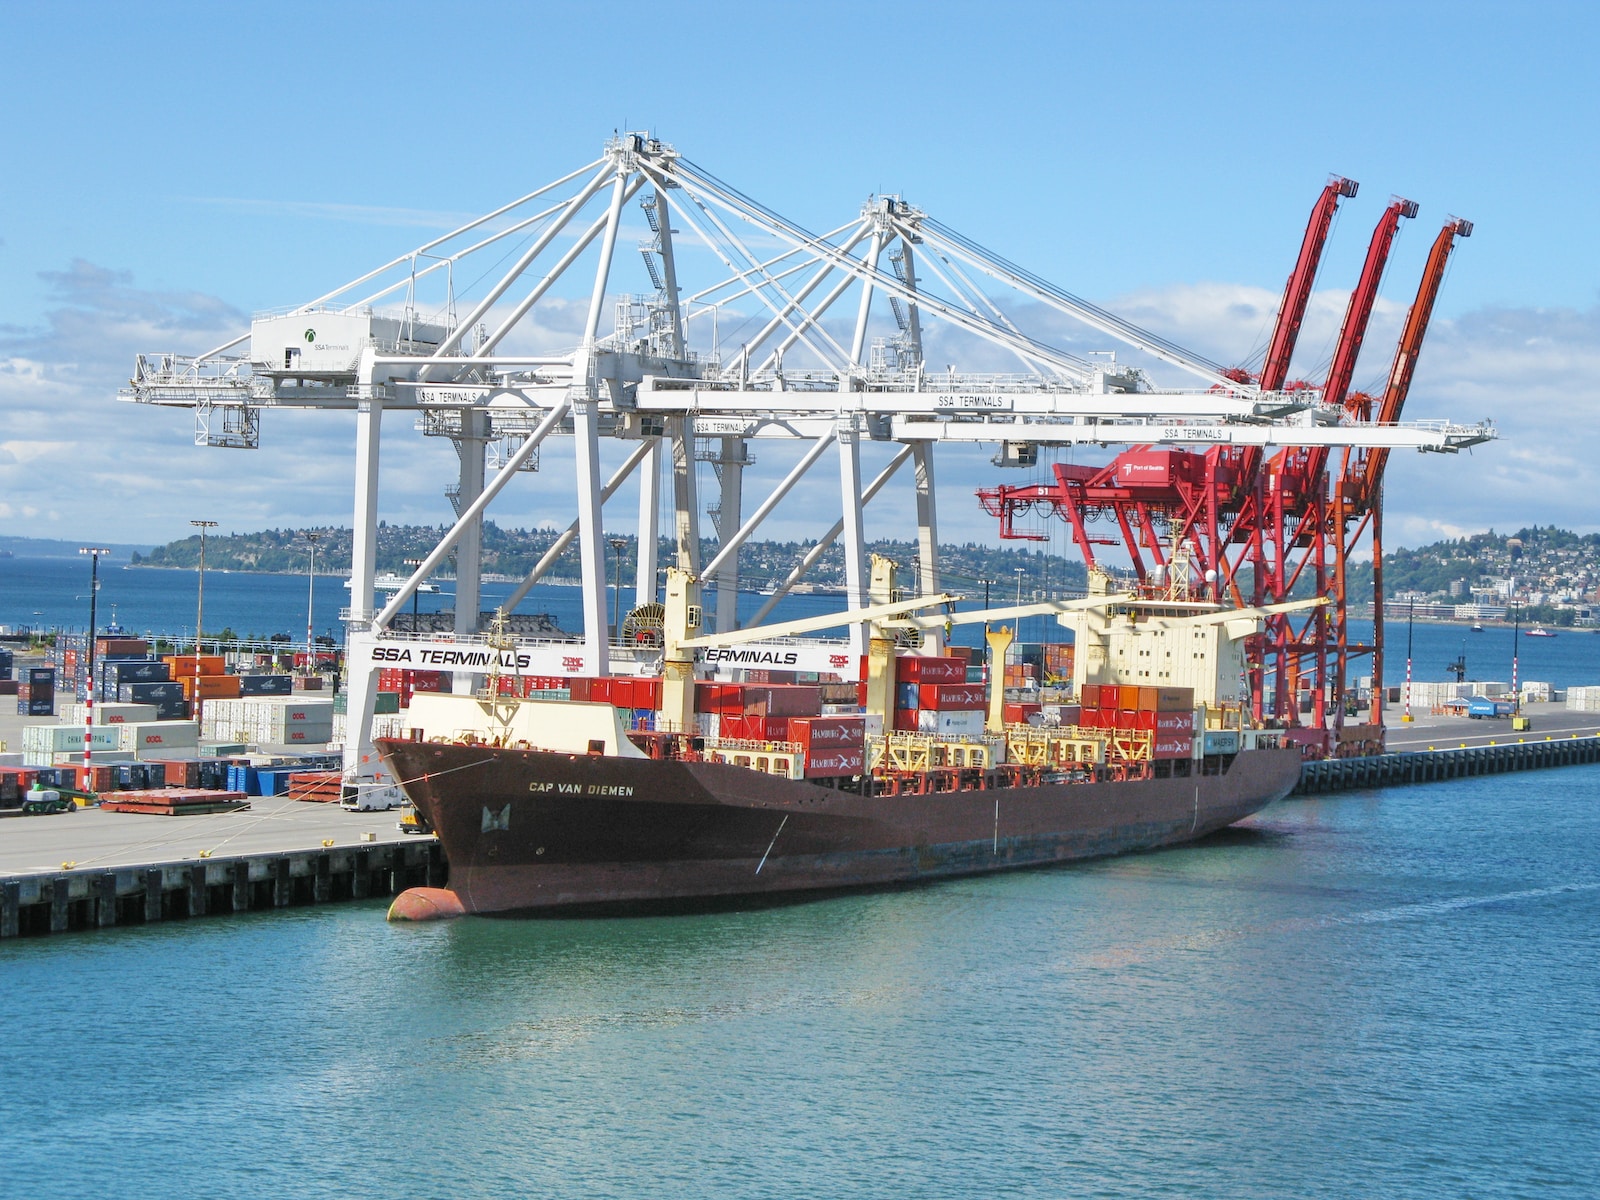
(928, 669)
(953, 697)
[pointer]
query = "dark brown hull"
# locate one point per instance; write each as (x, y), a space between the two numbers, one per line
(530, 830)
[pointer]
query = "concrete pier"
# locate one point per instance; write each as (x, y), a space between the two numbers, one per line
(1440, 765)
(94, 870)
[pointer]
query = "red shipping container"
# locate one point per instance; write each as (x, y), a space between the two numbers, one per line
(828, 732)
(905, 720)
(1089, 695)
(429, 681)
(953, 697)
(1174, 722)
(928, 669)
(1173, 745)
(835, 761)
(784, 700)
(861, 692)
(1016, 714)
(754, 727)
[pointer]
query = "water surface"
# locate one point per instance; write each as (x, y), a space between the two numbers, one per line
(1370, 994)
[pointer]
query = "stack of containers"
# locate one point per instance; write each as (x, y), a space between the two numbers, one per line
(203, 676)
(932, 697)
(41, 744)
(36, 695)
(7, 663)
(270, 720)
(1168, 713)
(165, 695)
(1583, 699)
(160, 739)
(830, 745)
(109, 714)
(753, 711)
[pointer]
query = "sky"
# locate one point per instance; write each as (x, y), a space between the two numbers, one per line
(171, 169)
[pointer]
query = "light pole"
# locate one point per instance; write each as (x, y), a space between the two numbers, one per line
(1516, 692)
(199, 616)
(200, 594)
(1411, 616)
(311, 593)
(94, 553)
(618, 545)
(415, 592)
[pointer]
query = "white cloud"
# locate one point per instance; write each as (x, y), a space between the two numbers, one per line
(132, 473)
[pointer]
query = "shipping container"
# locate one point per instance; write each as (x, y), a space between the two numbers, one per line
(1221, 741)
(929, 669)
(150, 693)
(60, 739)
(834, 761)
(827, 732)
(277, 685)
(949, 723)
(187, 666)
(1172, 746)
(952, 697)
(160, 736)
(210, 687)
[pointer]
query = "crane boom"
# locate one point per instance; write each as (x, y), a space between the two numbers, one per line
(1297, 292)
(1410, 346)
(1354, 330)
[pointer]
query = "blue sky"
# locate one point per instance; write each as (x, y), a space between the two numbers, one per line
(171, 168)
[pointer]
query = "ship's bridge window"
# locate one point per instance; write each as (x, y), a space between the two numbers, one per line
(763, 765)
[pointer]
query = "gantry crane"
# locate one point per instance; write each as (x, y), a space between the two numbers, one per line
(1245, 521)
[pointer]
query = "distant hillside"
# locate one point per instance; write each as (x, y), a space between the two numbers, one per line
(1549, 574)
(515, 551)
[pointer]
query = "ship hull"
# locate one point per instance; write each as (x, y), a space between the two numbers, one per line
(532, 831)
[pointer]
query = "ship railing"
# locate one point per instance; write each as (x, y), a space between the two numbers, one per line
(785, 759)
(918, 754)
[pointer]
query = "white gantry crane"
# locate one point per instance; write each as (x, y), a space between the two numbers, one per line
(678, 387)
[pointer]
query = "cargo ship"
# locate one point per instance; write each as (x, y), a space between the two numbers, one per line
(711, 790)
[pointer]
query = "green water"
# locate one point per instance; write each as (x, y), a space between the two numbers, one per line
(1385, 994)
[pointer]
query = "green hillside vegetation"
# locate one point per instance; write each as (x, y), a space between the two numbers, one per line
(515, 551)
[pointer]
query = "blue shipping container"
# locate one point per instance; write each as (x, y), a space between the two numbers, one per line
(149, 693)
(266, 685)
(141, 670)
(906, 695)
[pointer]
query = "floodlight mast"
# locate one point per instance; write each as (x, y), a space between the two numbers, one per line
(661, 380)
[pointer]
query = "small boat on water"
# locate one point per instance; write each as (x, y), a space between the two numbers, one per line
(1539, 631)
(1477, 627)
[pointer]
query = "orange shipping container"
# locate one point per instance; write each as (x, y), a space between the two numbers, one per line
(1127, 697)
(211, 687)
(1147, 699)
(187, 666)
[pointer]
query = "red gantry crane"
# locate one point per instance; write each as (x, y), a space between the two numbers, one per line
(1230, 519)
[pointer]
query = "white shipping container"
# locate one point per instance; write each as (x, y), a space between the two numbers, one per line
(58, 739)
(154, 737)
(108, 713)
(1583, 699)
(948, 724)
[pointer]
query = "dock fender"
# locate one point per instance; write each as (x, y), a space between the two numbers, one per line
(426, 904)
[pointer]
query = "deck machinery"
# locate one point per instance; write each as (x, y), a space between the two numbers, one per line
(520, 358)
